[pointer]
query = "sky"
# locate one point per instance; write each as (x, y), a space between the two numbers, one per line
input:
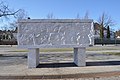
(68, 9)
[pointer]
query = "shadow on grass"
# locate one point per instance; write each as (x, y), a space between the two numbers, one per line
(57, 65)
(12, 56)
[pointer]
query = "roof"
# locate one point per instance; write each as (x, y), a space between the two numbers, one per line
(97, 26)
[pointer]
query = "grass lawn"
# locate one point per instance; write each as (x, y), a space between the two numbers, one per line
(69, 49)
(102, 48)
(47, 50)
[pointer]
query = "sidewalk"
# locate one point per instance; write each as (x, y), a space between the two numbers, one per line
(59, 65)
(20, 71)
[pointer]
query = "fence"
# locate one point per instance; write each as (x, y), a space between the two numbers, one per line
(106, 41)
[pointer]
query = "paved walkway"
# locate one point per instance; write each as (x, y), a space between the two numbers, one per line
(59, 65)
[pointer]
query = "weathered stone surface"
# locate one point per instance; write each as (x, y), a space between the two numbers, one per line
(45, 33)
(80, 56)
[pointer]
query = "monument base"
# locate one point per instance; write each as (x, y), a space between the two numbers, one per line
(33, 57)
(79, 57)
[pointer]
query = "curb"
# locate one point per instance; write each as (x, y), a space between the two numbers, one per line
(66, 76)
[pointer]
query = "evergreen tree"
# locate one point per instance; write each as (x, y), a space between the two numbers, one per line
(108, 32)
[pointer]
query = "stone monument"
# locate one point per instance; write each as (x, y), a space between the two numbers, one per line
(55, 33)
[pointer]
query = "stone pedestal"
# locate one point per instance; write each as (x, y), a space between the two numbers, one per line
(80, 56)
(33, 57)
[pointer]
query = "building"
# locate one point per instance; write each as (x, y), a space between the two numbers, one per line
(117, 34)
(7, 35)
(97, 32)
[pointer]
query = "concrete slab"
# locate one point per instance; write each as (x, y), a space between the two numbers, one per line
(20, 71)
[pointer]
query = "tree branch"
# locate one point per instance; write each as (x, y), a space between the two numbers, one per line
(5, 10)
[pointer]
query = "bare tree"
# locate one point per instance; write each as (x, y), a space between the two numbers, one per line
(78, 16)
(22, 14)
(4, 27)
(86, 15)
(50, 16)
(5, 11)
(105, 20)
